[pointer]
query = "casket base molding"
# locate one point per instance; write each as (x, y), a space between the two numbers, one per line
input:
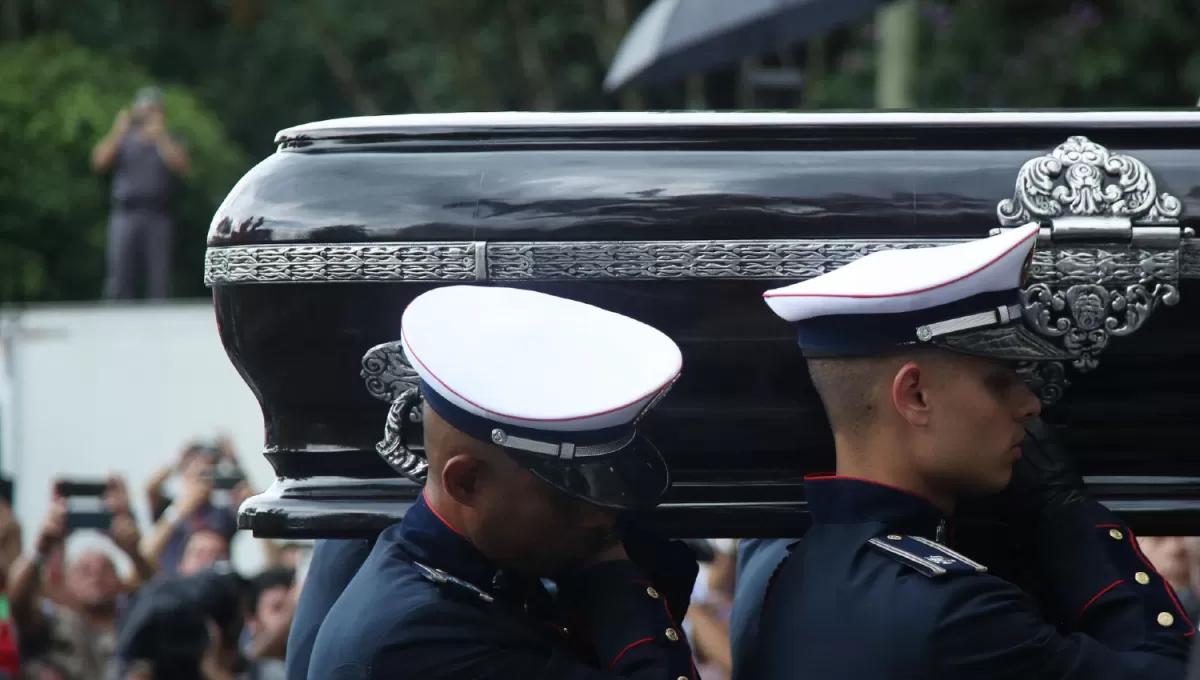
(320, 507)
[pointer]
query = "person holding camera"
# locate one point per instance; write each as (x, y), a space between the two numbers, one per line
(74, 633)
(192, 527)
(536, 470)
(146, 160)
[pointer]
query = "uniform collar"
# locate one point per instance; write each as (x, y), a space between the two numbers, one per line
(834, 499)
(429, 539)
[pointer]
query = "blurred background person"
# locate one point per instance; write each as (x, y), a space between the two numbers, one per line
(146, 161)
(274, 593)
(194, 513)
(1176, 558)
(185, 628)
(68, 630)
(707, 622)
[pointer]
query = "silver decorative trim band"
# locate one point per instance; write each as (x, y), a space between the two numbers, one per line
(341, 262)
(645, 260)
(543, 261)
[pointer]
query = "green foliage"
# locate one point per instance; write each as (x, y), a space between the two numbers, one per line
(56, 101)
(1088, 53)
(1036, 54)
(259, 66)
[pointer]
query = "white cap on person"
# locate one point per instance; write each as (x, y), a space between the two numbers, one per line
(559, 385)
(963, 298)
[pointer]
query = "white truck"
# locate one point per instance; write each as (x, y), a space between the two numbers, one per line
(91, 389)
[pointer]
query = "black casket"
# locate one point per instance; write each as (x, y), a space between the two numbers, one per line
(682, 220)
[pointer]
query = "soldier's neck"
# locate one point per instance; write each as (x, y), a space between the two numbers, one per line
(880, 462)
(446, 511)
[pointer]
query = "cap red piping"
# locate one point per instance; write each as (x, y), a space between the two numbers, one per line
(437, 514)
(771, 294)
(816, 476)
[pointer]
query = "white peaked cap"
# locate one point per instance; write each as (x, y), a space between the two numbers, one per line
(558, 384)
(964, 297)
(534, 360)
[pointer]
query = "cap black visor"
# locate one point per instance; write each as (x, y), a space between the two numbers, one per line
(633, 478)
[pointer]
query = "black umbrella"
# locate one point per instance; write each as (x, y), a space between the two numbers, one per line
(674, 38)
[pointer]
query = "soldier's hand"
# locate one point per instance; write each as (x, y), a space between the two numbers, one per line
(1046, 477)
(671, 566)
(615, 551)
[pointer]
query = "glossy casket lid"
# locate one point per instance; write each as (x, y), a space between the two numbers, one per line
(511, 121)
(517, 176)
(682, 221)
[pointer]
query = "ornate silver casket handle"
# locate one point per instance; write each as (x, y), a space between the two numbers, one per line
(390, 377)
(1110, 256)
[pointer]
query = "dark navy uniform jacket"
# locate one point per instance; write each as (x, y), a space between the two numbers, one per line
(427, 605)
(757, 559)
(871, 593)
(333, 564)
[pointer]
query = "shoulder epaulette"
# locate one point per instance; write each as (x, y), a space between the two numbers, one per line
(442, 578)
(928, 557)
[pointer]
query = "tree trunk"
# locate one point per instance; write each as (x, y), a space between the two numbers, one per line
(616, 23)
(10, 19)
(340, 65)
(896, 54)
(529, 56)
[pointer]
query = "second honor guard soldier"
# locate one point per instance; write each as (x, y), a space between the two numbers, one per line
(912, 353)
(534, 457)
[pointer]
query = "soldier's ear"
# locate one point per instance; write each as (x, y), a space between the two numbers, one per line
(461, 478)
(908, 393)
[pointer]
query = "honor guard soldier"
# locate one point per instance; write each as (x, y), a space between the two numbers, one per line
(333, 564)
(913, 354)
(536, 472)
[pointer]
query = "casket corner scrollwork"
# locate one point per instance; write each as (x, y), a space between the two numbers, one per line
(390, 377)
(1083, 294)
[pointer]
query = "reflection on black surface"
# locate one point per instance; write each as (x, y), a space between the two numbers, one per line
(743, 424)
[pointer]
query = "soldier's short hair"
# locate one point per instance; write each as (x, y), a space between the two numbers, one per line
(850, 391)
(853, 390)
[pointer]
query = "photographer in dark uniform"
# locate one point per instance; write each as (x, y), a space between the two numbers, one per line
(535, 468)
(146, 160)
(913, 354)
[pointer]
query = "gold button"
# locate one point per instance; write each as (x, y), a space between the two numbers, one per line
(652, 593)
(1142, 577)
(1165, 619)
(1116, 533)
(894, 537)
(683, 677)
(674, 637)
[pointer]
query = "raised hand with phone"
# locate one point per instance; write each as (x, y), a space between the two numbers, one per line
(204, 468)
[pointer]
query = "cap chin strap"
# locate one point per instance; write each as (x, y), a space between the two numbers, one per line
(561, 450)
(995, 317)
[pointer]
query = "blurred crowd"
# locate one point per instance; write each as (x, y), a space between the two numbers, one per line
(72, 612)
